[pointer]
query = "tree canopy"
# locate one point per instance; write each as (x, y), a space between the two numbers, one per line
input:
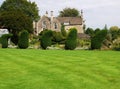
(69, 12)
(15, 21)
(25, 6)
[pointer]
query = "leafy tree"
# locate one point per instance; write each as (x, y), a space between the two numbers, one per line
(15, 21)
(96, 41)
(4, 40)
(115, 32)
(96, 30)
(46, 39)
(28, 8)
(114, 28)
(69, 12)
(90, 32)
(71, 41)
(23, 42)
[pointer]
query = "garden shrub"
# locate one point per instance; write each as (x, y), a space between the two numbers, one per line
(57, 37)
(46, 39)
(15, 38)
(96, 41)
(23, 42)
(116, 44)
(71, 41)
(4, 40)
(41, 33)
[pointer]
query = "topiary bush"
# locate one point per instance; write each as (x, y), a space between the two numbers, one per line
(23, 42)
(4, 40)
(96, 41)
(71, 41)
(46, 39)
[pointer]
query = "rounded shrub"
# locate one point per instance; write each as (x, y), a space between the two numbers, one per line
(46, 39)
(71, 41)
(23, 42)
(97, 40)
(4, 40)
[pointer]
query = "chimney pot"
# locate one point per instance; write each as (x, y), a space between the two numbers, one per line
(51, 13)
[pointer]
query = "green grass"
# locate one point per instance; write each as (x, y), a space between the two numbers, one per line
(59, 69)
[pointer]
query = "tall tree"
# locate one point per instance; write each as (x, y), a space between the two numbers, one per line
(25, 6)
(15, 22)
(69, 12)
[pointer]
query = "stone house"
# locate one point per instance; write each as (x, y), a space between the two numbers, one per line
(54, 23)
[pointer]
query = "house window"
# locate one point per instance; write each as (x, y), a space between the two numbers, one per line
(44, 24)
(55, 25)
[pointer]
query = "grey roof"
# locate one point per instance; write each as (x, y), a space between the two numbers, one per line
(70, 20)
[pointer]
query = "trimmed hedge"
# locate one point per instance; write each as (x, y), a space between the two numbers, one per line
(97, 40)
(71, 41)
(23, 42)
(4, 40)
(46, 39)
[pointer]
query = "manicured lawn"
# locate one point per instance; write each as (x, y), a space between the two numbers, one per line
(59, 69)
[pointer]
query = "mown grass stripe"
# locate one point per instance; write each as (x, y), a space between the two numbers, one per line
(38, 69)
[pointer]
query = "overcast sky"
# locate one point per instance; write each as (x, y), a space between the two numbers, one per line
(97, 13)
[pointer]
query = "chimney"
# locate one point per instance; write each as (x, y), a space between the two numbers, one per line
(82, 13)
(46, 14)
(51, 15)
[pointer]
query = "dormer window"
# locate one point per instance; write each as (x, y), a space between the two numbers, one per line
(66, 23)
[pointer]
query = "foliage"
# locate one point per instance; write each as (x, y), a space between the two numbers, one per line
(41, 33)
(116, 44)
(69, 12)
(4, 40)
(108, 41)
(23, 42)
(83, 43)
(63, 31)
(15, 21)
(34, 39)
(96, 41)
(46, 39)
(96, 30)
(90, 32)
(71, 41)
(30, 9)
(58, 37)
(115, 32)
